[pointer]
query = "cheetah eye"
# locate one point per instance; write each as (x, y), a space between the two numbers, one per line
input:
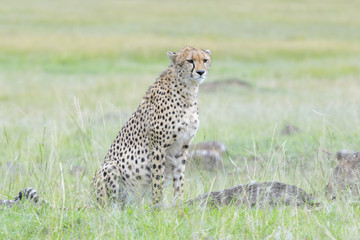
(190, 61)
(205, 60)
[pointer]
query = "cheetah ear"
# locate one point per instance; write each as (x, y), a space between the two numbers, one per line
(172, 56)
(208, 52)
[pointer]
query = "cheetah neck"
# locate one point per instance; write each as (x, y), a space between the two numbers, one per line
(187, 91)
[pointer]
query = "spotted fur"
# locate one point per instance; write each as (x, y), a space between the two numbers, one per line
(151, 147)
(256, 194)
(345, 180)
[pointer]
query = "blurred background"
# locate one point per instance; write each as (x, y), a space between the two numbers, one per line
(72, 72)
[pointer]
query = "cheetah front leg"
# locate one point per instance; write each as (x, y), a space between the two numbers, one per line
(178, 177)
(179, 174)
(157, 173)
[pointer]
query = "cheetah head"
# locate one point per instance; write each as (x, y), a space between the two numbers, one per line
(191, 64)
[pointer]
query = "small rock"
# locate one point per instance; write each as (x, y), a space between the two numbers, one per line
(290, 130)
(14, 167)
(233, 82)
(76, 169)
(207, 155)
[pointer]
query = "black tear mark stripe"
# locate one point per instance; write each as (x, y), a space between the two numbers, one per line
(193, 68)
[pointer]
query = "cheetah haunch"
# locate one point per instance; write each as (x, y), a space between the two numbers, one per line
(151, 147)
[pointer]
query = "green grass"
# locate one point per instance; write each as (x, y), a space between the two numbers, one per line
(71, 73)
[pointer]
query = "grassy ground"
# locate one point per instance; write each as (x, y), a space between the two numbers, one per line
(71, 73)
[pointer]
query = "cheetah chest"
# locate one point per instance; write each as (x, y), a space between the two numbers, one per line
(185, 130)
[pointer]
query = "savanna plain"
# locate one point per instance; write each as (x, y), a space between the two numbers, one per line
(72, 72)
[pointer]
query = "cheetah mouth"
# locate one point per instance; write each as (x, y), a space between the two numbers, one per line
(198, 79)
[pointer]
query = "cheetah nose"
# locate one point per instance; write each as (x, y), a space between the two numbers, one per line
(200, 72)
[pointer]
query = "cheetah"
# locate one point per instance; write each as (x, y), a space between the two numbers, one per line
(345, 180)
(151, 147)
(256, 194)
